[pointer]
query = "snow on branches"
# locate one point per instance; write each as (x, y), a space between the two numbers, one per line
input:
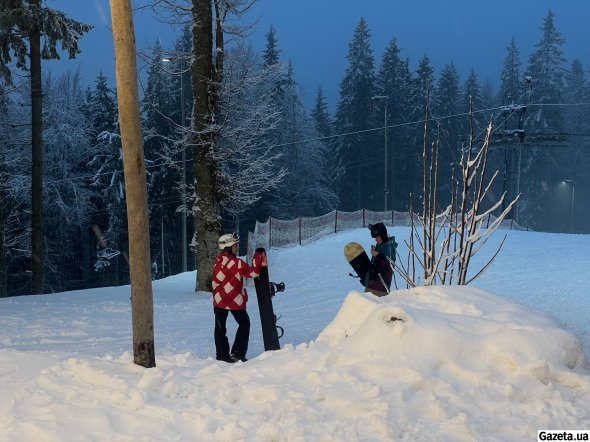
(441, 246)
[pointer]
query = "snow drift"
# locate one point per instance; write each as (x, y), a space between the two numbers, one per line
(440, 363)
(445, 364)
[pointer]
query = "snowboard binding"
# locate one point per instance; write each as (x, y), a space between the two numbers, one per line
(276, 287)
(280, 330)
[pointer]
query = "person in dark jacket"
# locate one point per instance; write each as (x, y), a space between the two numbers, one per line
(379, 276)
(230, 296)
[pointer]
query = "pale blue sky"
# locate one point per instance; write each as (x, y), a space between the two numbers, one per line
(315, 34)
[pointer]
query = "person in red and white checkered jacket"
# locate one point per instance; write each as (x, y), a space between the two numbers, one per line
(229, 295)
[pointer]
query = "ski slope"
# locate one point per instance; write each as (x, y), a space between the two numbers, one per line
(496, 361)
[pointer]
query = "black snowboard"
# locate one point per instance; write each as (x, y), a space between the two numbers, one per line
(267, 315)
(358, 259)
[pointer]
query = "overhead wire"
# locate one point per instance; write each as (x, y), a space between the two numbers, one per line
(339, 135)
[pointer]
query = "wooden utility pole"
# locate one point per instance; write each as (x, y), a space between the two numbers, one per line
(135, 184)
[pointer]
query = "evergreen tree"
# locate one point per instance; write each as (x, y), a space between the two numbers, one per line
(422, 93)
(325, 129)
(472, 93)
(321, 115)
(178, 76)
(180, 80)
(422, 86)
(448, 100)
(272, 53)
(511, 87)
(511, 93)
(274, 71)
(22, 22)
(305, 191)
(488, 96)
(101, 107)
(576, 92)
(275, 203)
(393, 82)
(314, 195)
(162, 165)
(271, 58)
(362, 180)
(106, 168)
(157, 102)
(540, 166)
(547, 71)
(449, 110)
(575, 161)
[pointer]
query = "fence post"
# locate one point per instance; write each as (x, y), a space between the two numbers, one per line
(363, 218)
(392, 218)
(299, 230)
(336, 221)
(269, 232)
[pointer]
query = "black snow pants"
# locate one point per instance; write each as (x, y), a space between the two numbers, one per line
(240, 345)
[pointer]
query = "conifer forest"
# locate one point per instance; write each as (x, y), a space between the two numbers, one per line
(264, 153)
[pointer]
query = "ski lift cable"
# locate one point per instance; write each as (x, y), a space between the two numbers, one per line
(154, 165)
(409, 123)
(558, 104)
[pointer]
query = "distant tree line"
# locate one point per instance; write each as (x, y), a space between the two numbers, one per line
(554, 151)
(274, 157)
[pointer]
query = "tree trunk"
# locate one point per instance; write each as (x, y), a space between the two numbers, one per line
(206, 209)
(135, 184)
(38, 275)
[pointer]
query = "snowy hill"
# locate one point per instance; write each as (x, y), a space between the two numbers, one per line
(426, 364)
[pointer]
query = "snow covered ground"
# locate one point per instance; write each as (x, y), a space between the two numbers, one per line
(429, 364)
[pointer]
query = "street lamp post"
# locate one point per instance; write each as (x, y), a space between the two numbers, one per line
(183, 170)
(571, 183)
(385, 99)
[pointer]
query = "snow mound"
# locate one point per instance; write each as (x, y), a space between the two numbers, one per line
(444, 364)
(461, 363)
(462, 329)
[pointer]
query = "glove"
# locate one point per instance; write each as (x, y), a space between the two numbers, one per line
(259, 258)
